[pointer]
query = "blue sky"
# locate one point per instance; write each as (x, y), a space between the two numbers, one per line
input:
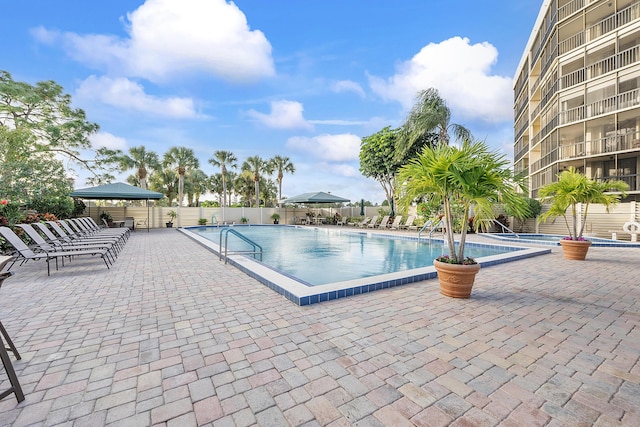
(305, 79)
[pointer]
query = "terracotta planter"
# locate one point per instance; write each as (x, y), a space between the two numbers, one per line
(575, 249)
(456, 280)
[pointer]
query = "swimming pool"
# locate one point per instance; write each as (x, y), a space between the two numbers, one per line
(554, 240)
(311, 264)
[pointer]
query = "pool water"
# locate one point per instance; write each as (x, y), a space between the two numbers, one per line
(318, 256)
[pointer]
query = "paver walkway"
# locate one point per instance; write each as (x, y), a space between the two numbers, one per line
(171, 336)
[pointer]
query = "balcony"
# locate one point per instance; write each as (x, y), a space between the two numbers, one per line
(598, 29)
(571, 43)
(613, 62)
(572, 115)
(603, 146)
(633, 181)
(573, 78)
(569, 9)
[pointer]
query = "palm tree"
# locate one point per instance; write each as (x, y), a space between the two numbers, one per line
(182, 159)
(230, 177)
(256, 165)
(141, 160)
(244, 186)
(573, 188)
(282, 165)
(222, 159)
(214, 185)
(471, 176)
(429, 114)
(195, 185)
(165, 181)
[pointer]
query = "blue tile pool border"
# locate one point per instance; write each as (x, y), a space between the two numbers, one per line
(302, 294)
(595, 241)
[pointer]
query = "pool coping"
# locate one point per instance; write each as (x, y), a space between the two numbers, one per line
(301, 294)
(595, 241)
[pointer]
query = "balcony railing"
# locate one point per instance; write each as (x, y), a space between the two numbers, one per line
(573, 78)
(633, 181)
(598, 29)
(571, 43)
(570, 8)
(601, 28)
(629, 14)
(572, 115)
(535, 84)
(603, 106)
(613, 62)
(521, 151)
(596, 147)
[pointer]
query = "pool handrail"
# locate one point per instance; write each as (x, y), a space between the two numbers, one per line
(504, 227)
(433, 228)
(242, 237)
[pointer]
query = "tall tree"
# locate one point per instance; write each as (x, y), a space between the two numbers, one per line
(230, 178)
(195, 184)
(224, 159)
(165, 181)
(39, 128)
(281, 165)
(379, 158)
(429, 114)
(257, 166)
(244, 186)
(214, 185)
(141, 160)
(181, 159)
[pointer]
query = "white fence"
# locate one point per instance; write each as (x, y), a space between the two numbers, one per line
(599, 222)
(188, 216)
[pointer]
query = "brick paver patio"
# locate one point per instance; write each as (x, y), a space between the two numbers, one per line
(172, 336)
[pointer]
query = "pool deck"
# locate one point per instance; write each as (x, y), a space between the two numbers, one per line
(170, 336)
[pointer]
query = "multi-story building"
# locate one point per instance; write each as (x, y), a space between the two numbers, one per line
(577, 93)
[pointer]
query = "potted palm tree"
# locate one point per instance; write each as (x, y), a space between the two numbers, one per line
(275, 217)
(573, 188)
(172, 216)
(470, 176)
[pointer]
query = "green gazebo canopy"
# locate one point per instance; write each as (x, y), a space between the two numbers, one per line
(116, 191)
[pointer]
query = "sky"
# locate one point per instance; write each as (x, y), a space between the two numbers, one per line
(304, 79)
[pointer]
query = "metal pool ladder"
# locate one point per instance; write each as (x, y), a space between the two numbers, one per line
(257, 249)
(431, 231)
(504, 227)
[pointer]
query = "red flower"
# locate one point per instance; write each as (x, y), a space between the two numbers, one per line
(4, 201)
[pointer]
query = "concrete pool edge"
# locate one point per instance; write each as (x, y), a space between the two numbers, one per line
(301, 294)
(595, 241)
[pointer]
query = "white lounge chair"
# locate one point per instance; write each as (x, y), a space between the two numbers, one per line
(395, 225)
(363, 223)
(374, 222)
(385, 222)
(408, 223)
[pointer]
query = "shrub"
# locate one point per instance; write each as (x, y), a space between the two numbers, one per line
(61, 207)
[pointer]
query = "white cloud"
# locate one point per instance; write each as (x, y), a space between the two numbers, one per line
(284, 115)
(343, 169)
(107, 140)
(340, 122)
(461, 73)
(168, 39)
(128, 95)
(331, 148)
(348, 86)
